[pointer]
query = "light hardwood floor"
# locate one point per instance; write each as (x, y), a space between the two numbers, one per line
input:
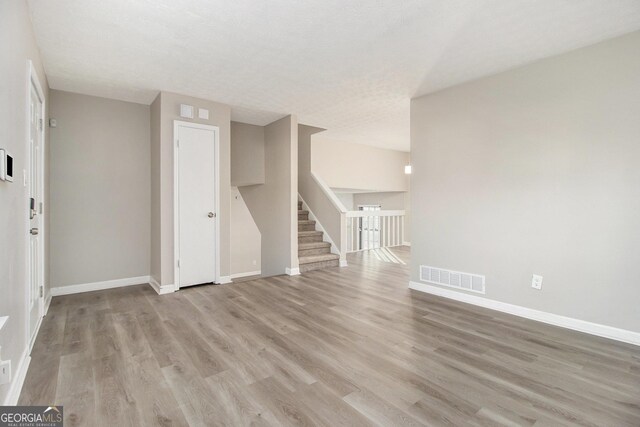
(343, 346)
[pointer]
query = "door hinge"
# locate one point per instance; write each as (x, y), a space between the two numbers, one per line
(41, 209)
(178, 143)
(178, 263)
(40, 123)
(41, 291)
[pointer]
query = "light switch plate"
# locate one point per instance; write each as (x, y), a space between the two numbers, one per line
(3, 165)
(203, 113)
(536, 282)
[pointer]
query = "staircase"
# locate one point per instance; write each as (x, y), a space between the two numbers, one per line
(313, 252)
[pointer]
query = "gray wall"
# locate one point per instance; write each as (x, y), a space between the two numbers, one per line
(535, 170)
(155, 195)
(18, 45)
(245, 237)
(388, 201)
(247, 168)
(347, 200)
(162, 169)
(247, 154)
(99, 189)
(359, 167)
(273, 204)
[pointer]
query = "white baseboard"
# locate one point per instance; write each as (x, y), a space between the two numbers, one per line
(292, 271)
(224, 280)
(47, 303)
(246, 274)
(18, 380)
(161, 289)
(530, 313)
(343, 263)
(98, 286)
(406, 244)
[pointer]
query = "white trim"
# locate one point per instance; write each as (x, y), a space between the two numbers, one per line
(361, 214)
(34, 81)
(32, 339)
(343, 263)
(98, 286)
(529, 313)
(33, 76)
(176, 199)
(161, 289)
(223, 280)
(292, 271)
(18, 380)
(246, 274)
(329, 193)
(47, 303)
(406, 244)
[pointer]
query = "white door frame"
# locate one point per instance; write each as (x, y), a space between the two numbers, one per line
(176, 196)
(32, 80)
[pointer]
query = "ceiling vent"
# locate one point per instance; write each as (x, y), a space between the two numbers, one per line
(452, 279)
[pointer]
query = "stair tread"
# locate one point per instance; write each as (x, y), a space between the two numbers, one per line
(306, 222)
(309, 233)
(317, 258)
(301, 211)
(313, 245)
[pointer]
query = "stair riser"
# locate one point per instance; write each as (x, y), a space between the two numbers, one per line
(306, 227)
(314, 251)
(303, 216)
(310, 239)
(319, 265)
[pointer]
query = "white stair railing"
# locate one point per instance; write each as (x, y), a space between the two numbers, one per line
(374, 229)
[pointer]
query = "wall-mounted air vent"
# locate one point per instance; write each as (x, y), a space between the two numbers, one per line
(452, 279)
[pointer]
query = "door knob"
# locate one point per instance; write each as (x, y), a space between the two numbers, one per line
(34, 231)
(211, 215)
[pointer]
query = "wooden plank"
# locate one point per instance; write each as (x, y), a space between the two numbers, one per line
(341, 346)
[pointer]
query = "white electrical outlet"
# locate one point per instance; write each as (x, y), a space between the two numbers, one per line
(536, 282)
(5, 372)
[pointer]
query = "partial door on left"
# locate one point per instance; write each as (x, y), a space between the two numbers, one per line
(35, 211)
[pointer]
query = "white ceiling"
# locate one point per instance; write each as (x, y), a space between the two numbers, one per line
(348, 66)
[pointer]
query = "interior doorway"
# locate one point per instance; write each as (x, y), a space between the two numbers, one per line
(196, 204)
(35, 207)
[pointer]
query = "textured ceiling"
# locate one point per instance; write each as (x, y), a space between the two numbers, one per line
(348, 66)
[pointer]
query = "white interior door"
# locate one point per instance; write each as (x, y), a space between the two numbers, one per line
(36, 189)
(196, 204)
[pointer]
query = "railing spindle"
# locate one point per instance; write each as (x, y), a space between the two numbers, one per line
(374, 229)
